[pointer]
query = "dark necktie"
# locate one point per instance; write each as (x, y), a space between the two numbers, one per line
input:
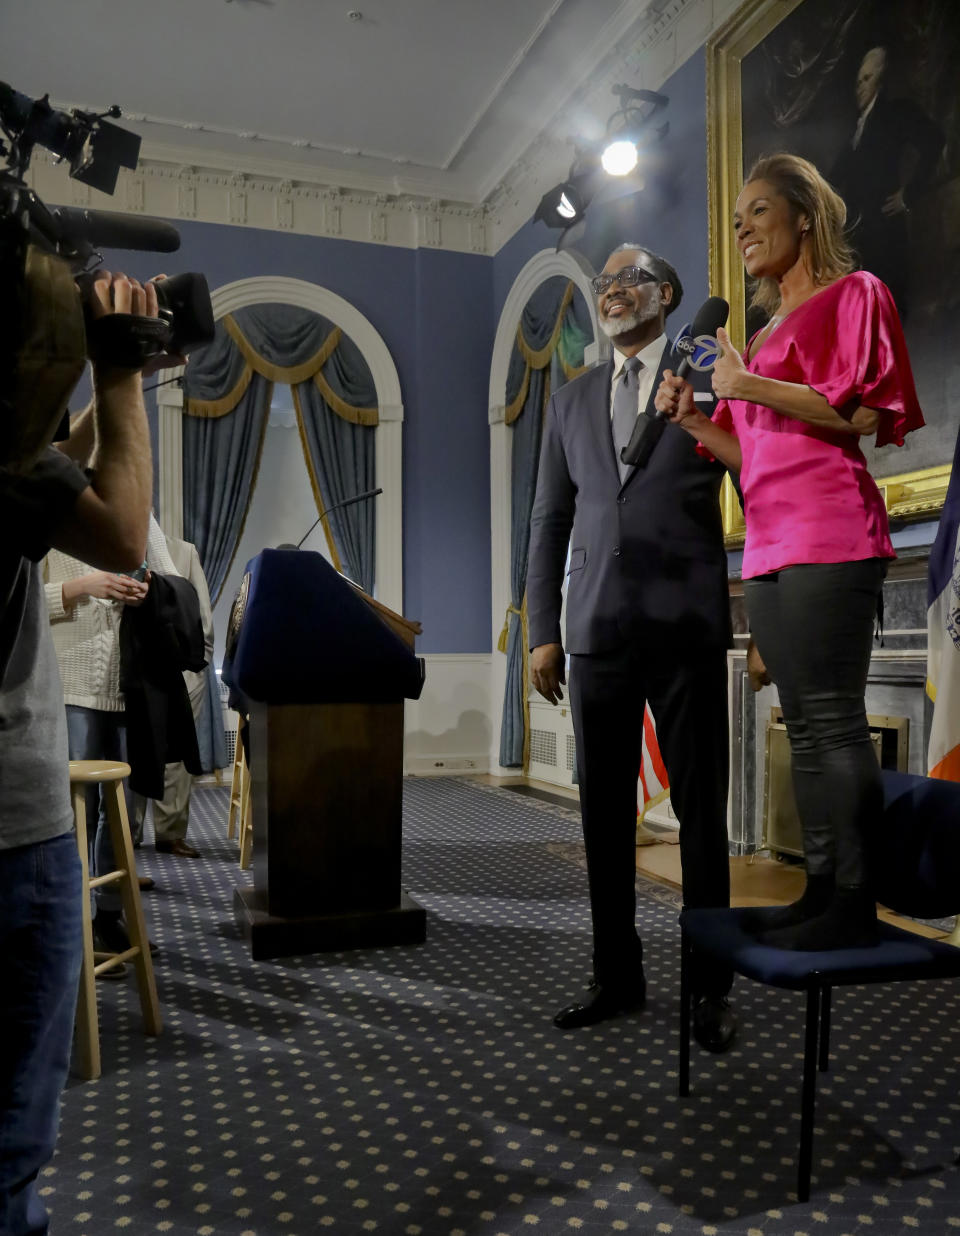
(625, 407)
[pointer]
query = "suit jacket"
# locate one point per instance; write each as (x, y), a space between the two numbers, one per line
(158, 641)
(647, 560)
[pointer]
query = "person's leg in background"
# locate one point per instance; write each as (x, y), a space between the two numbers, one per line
(171, 814)
(96, 734)
(41, 938)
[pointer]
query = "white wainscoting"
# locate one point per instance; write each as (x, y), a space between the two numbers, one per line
(448, 730)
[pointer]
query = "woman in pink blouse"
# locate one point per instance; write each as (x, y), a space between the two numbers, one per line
(830, 366)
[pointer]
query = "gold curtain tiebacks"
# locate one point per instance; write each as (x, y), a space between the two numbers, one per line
(540, 358)
(505, 633)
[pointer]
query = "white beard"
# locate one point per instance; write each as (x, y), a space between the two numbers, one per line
(612, 327)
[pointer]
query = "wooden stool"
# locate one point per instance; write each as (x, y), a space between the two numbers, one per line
(111, 773)
(236, 788)
(240, 813)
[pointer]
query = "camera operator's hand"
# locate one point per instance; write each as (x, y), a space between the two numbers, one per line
(120, 294)
(124, 329)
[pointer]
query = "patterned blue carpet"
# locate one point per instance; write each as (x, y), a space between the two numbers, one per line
(423, 1091)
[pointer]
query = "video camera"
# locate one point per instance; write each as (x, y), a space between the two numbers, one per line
(48, 261)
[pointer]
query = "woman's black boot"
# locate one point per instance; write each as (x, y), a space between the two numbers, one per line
(850, 921)
(815, 899)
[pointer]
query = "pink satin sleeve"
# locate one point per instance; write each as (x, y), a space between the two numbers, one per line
(862, 357)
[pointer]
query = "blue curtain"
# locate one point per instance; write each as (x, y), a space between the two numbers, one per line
(342, 457)
(228, 388)
(551, 324)
(220, 454)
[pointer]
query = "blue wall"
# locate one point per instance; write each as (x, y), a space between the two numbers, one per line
(433, 310)
(437, 314)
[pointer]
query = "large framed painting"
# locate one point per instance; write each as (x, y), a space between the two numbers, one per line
(869, 91)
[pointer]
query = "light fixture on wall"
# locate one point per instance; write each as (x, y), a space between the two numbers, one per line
(628, 129)
(563, 205)
(602, 171)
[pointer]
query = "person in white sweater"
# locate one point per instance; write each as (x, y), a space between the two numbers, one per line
(85, 607)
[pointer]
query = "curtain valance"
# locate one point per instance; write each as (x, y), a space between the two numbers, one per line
(548, 331)
(282, 344)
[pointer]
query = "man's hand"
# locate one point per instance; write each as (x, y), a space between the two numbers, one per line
(548, 671)
(894, 205)
(756, 670)
(729, 371)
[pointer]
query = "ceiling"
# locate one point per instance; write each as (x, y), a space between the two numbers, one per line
(438, 98)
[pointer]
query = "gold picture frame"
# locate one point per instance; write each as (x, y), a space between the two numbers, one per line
(908, 495)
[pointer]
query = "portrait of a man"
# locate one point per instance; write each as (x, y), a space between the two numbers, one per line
(868, 90)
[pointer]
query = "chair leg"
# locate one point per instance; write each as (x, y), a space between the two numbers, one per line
(809, 1094)
(824, 1060)
(86, 1026)
(683, 1070)
(132, 908)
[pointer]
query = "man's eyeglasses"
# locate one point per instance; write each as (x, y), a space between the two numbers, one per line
(626, 276)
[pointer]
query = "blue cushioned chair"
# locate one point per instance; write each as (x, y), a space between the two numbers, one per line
(917, 873)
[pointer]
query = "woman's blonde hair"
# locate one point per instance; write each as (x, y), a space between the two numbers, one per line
(828, 255)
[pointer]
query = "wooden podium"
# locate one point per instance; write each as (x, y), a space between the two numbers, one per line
(321, 670)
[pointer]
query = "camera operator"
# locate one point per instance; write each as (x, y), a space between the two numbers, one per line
(101, 518)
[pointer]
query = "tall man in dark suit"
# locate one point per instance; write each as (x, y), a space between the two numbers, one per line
(648, 619)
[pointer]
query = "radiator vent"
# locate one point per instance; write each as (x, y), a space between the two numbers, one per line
(543, 747)
(571, 752)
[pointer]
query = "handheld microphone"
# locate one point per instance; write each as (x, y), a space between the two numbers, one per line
(368, 493)
(711, 315)
(699, 350)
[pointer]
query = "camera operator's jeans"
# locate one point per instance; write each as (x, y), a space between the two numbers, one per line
(94, 734)
(42, 943)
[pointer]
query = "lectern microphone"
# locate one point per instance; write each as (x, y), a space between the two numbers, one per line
(335, 506)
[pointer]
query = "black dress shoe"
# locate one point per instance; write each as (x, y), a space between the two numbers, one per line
(600, 1002)
(714, 1022)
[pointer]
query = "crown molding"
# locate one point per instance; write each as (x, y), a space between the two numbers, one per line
(225, 195)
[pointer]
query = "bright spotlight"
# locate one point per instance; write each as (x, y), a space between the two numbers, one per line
(619, 158)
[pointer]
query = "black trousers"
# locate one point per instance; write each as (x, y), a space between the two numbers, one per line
(687, 693)
(813, 625)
